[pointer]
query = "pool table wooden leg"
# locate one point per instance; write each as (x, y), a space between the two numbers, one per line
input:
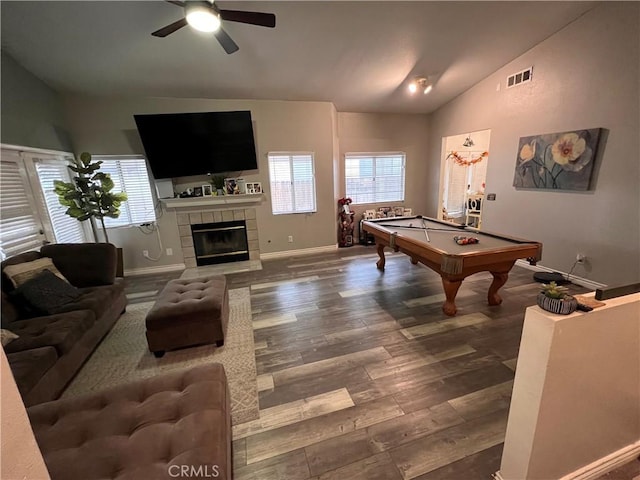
(450, 290)
(380, 263)
(499, 279)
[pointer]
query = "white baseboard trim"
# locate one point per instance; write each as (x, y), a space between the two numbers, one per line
(295, 253)
(575, 279)
(599, 467)
(159, 269)
(606, 464)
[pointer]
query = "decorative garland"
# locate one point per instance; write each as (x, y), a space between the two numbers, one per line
(465, 163)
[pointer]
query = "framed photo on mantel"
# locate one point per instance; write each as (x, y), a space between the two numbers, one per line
(253, 188)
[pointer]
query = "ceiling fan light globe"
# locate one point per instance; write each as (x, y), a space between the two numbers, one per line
(413, 87)
(203, 18)
(427, 89)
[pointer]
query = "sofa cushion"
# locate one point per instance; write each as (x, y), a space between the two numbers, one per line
(7, 285)
(96, 299)
(29, 366)
(21, 272)
(84, 264)
(7, 336)
(59, 331)
(10, 313)
(45, 293)
(145, 429)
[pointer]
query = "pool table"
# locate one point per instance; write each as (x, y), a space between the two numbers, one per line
(431, 242)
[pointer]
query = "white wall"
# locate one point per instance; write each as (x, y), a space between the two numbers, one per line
(576, 395)
(585, 76)
(31, 111)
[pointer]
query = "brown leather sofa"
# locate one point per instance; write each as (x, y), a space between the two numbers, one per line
(176, 425)
(50, 349)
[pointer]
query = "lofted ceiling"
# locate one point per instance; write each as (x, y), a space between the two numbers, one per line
(359, 55)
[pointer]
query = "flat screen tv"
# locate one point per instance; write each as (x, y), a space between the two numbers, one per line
(184, 144)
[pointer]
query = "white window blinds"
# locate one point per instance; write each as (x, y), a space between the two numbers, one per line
(375, 177)
(66, 229)
(129, 175)
(292, 180)
(20, 226)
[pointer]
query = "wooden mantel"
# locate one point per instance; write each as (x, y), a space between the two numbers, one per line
(213, 201)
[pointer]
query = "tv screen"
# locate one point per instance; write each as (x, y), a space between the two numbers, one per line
(184, 144)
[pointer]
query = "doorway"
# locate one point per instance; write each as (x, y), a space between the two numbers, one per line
(463, 174)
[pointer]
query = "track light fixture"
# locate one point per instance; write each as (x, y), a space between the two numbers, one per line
(420, 83)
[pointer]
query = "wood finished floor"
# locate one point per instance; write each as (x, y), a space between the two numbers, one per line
(361, 375)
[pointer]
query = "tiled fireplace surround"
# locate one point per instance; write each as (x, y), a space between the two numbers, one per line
(215, 215)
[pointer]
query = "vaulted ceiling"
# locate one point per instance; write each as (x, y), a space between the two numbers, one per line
(359, 55)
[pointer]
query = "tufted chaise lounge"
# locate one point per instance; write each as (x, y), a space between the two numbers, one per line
(189, 312)
(176, 425)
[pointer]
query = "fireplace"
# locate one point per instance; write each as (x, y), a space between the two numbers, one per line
(220, 242)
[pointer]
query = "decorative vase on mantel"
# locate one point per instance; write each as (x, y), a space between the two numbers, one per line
(553, 298)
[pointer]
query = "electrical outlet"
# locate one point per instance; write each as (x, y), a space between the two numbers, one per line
(290, 239)
(580, 257)
(145, 253)
(169, 252)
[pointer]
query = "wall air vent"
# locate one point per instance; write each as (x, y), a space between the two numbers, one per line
(520, 77)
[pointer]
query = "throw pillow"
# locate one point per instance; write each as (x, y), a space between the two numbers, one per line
(21, 272)
(7, 336)
(46, 292)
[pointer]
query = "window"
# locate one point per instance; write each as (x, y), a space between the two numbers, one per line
(30, 213)
(293, 184)
(66, 229)
(20, 227)
(374, 177)
(129, 175)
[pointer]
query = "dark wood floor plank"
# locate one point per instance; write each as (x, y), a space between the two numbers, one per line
(481, 465)
(426, 395)
(376, 467)
(448, 446)
(291, 465)
(307, 432)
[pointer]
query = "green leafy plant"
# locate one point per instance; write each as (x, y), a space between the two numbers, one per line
(553, 290)
(217, 181)
(89, 196)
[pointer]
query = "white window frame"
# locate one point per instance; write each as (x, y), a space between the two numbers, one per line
(292, 208)
(376, 198)
(138, 189)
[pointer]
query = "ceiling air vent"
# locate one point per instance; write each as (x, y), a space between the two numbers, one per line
(520, 77)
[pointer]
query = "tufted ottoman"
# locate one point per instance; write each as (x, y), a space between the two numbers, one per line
(189, 312)
(174, 425)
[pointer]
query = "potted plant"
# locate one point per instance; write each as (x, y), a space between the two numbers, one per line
(554, 298)
(218, 184)
(89, 196)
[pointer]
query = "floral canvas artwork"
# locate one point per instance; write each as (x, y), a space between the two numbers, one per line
(561, 161)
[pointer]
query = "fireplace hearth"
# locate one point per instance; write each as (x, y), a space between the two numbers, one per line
(220, 242)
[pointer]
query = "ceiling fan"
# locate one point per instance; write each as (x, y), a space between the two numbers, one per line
(206, 17)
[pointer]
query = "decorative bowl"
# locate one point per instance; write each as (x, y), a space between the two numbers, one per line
(562, 306)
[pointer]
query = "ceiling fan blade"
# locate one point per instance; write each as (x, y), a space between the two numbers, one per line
(176, 2)
(253, 18)
(169, 29)
(225, 40)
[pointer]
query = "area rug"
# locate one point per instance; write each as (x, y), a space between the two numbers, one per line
(124, 356)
